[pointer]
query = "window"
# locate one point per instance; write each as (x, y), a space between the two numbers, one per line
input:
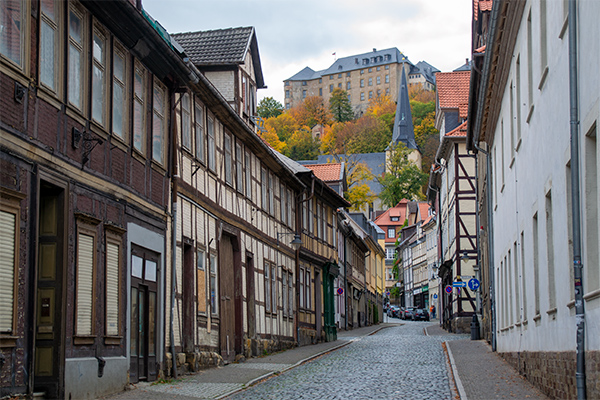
(119, 103)
(139, 105)
(283, 204)
(186, 128)
(8, 266)
(49, 43)
(550, 252)
(291, 294)
(590, 166)
(395, 218)
(99, 77)
(158, 124)
(319, 226)
(387, 78)
(330, 77)
(379, 68)
(75, 66)
(113, 260)
(320, 80)
(248, 168)
(304, 94)
(370, 94)
(212, 162)
(301, 288)
(536, 264)
(378, 80)
(543, 40)
(330, 88)
(271, 194)
(320, 91)
(348, 85)
(228, 160)
(287, 94)
(201, 279)
(513, 143)
(340, 85)
(14, 26)
(199, 111)
(311, 217)
(362, 83)
(239, 170)
(84, 302)
(267, 287)
(370, 81)
(362, 71)
(348, 74)
(362, 96)
(263, 180)
(303, 83)
(308, 283)
(340, 75)
(518, 99)
(324, 221)
(284, 292)
(371, 69)
(391, 233)
(388, 57)
(529, 63)
(289, 206)
(390, 253)
(214, 301)
(273, 288)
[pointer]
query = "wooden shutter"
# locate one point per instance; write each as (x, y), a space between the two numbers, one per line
(85, 278)
(112, 289)
(7, 270)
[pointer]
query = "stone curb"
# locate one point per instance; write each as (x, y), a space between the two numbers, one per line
(457, 381)
(303, 361)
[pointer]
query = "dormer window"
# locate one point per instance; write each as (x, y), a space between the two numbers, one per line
(395, 219)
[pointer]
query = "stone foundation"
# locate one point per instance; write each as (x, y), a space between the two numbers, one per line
(461, 324)
(192, 362)
(554, 372)
(259, 347)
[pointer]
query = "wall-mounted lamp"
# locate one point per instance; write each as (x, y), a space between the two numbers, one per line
(465, 256)
(89, 142)
(296, 243)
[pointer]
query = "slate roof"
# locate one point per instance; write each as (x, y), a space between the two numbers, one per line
(351, 63)
(453, 91)
(426, 69)
(465, 67)
(403, 127)
(327, 172)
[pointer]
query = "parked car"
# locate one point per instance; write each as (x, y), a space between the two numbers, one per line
(420, 314)
(393, 311)
(407, 313)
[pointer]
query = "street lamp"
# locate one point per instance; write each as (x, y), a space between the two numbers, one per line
(296, 243)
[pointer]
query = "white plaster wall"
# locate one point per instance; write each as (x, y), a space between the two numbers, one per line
(539, 166)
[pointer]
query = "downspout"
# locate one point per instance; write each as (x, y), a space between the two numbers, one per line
(575, 202)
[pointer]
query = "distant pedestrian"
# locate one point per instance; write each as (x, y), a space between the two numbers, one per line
(432, 310)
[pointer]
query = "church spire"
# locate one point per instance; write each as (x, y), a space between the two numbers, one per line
(403, 126)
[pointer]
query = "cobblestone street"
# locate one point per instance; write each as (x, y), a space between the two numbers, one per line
(396, 362)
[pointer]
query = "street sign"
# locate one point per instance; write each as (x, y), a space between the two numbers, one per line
(387, 293)
(474, 284)
(459, 284)
(448, 289)
(435, 295)
(340, 291)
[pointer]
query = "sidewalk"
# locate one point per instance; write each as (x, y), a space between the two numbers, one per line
(217, 383)
(480, 373)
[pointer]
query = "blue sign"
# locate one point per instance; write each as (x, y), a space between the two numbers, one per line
(448, 289)
(474, 284)
(340, 291)
(435, 296)
(387, 293)
(459, 284)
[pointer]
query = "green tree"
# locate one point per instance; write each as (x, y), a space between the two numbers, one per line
(340, 106)
(371, 135)
(284, 125)
(359, 193)
(269, 108)
(402, 179)
(302, 146)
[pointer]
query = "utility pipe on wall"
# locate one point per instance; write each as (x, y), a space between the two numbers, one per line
(575, 201)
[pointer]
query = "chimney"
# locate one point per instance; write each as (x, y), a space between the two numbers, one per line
(374, 49)
(467, 62)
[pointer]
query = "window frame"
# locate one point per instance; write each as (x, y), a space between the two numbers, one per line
(162, 134)
(117, 240)
(100, 32)
(199, 131)
(117, 50)
(56, 25)
(11, 205)
(22, 66)
(82, 48)
(227, 154)
(186, 115)
(267, 291)
(212, 145)
(213, 285)
(142, 100)
(239, 167)
(85, 229)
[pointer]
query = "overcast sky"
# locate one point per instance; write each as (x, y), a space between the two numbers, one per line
(293, 34)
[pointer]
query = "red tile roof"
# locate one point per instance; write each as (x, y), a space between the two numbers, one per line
(485, 5)
(453, 90)
(327, 172)
(459, 131)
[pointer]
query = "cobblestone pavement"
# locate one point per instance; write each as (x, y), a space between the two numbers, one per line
(399, 362)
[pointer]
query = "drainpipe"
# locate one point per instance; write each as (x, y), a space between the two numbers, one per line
(575, 201)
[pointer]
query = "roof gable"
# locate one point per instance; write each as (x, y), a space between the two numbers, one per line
(403, 126)
(453, 91)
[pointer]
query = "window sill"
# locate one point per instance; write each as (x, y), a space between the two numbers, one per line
(158, 167)
(592, 295)
(99, 130)
(530, 113)
(138, 156)
(8, 341)
(84, 340)
(49, 97)
(119, 142)
(543, 78)
(113, 340)
(76, 114)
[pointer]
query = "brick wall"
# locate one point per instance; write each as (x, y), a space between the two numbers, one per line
(554, 372)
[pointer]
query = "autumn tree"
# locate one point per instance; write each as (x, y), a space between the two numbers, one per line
(268, 107)
(371, 135)
(402, 178)
(359, 193)
(418, 93)
(284, 125)
(302, 146)
(270, 136)
(311, 111)
(340, 107)
(383, 108)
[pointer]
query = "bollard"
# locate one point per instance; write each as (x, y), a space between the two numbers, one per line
(475, 328)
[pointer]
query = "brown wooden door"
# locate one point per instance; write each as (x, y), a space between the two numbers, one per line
(250, 297)
(188, 298)
(144, 315)
(227, 303)
(49, 316)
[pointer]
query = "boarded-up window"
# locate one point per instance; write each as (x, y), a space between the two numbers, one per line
(7, 270)
(201, 279)
(112, 288)
(85, 288)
